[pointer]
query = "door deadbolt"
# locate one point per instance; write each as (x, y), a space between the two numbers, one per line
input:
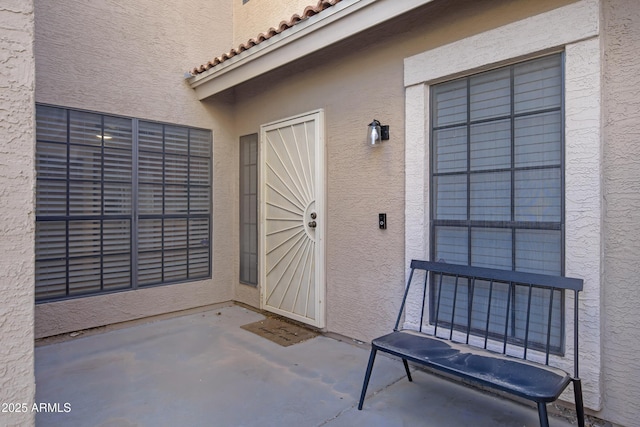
(313, 215)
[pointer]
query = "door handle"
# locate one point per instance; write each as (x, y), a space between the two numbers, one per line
(312, 224)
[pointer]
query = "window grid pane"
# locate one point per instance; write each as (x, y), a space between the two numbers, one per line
(496, 177)
(85, 236)
(490, 94)
(490, 145)
(490, 196)
(450, 146)
(249, 209)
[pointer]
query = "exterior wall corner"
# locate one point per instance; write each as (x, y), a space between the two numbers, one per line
(17, 199)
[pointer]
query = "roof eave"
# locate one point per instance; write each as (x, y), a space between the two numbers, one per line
(334, 24)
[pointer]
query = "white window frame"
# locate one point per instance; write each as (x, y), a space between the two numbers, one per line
(573, 29)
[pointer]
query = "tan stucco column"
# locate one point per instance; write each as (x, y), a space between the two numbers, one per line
(17, 211)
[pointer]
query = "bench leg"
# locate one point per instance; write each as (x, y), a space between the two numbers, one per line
(406, 368)
(577, 391)
(372, 358)
(542, 413)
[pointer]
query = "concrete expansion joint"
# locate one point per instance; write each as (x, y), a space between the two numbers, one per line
(352, 407)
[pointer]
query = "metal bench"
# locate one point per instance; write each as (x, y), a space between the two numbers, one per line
(490, 327)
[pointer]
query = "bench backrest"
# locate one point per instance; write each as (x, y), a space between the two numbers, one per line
(494, 308)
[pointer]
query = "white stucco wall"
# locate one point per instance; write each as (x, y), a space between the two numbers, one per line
(129, 58)
(621, 191)
(17, 221)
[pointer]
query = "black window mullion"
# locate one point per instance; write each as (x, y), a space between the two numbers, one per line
(164, 199)
(562, 199)
(209, 239)
(432, 181)
(500, 118)
(188, 201)
(135, 211)
(469, 228)
(562, 174)
(513, 165)
(68, 204)
(102, 202)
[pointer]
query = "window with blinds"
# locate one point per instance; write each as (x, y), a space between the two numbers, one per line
(497, 184)
(249, 209)
(120, 203)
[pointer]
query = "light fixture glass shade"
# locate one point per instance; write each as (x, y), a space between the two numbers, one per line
(374, 133)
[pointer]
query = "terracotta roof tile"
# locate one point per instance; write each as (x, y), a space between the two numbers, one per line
(308, 12)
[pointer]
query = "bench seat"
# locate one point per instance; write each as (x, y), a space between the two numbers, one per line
(479, 306)
(531, 381)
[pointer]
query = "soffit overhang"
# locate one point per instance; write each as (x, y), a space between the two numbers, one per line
(332, 25)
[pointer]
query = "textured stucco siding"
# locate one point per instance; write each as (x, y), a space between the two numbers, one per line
(355, 82)
(129, 58)
(90, 312)
(621, 294)
(17, 229)
(364, 265)
(583, 208)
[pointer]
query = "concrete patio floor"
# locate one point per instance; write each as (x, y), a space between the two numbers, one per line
(202, 369)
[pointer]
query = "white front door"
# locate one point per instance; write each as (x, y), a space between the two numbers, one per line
(292, 218)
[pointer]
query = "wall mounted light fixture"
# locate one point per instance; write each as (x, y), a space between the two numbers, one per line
(376, 133)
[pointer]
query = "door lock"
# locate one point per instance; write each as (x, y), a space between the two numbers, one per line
(313, 215)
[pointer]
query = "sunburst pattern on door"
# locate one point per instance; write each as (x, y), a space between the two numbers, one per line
(290, 218)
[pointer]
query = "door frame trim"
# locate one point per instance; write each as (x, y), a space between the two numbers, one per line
(321, 209)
